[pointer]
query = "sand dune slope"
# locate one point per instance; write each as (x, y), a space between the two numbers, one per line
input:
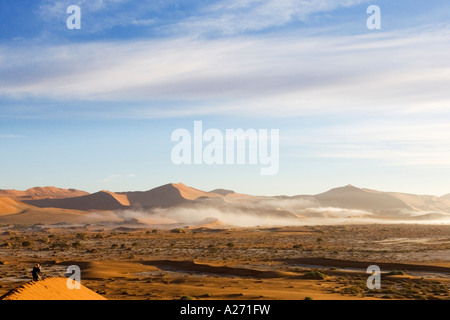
(351, 197)
(51, 289)
(10, 206)
(192, 193)
(103, 200)
(42, 193)
(7, 206)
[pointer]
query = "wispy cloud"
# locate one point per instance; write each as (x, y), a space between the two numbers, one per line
(397, 142)
(219, 17)
(275, 76)
(227, 17)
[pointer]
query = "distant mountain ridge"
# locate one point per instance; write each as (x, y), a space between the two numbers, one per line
(173, 195)
(42, 193)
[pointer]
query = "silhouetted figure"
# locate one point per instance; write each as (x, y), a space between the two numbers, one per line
(36, 272)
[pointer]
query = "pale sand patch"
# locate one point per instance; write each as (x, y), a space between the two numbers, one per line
(51, 289)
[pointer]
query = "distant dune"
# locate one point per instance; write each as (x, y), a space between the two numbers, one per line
(42, 193)
(179, 203)
(222, 192)
(192, 194)
(166, 196)
(51, 289)
(9, 206)
(350, 197)
(103, 200)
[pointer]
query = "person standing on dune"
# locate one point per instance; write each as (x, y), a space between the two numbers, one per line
(36, 272)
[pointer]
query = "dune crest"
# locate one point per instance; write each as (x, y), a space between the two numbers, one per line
(42, 193)
(51, 289)
(192, 193)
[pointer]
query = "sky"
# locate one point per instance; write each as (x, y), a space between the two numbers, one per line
(95, 108)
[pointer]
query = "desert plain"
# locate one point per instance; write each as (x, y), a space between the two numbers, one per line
(124, 258)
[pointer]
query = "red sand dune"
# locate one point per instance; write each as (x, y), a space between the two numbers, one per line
(42, 193)
(103, 200)
(51, 289)
(9, 206)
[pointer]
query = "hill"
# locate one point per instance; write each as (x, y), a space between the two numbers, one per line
(50, 289)
(42, 193)
(103, 200)
(166, 196)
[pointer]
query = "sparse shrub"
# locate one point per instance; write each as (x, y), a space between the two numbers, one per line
(308, 298)
(315, 275)
(230, 244)
(178, 230)
(6, 245)
(297, 246)
(353, 290)
(114, 246)
(27, 243)
(76, 244)
(81, 236)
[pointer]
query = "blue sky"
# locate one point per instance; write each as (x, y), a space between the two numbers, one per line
(95, 108)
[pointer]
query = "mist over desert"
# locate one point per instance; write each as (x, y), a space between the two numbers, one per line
(179, 242)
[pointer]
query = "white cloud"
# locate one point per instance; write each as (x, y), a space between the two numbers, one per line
(240, 16)
(274, 76)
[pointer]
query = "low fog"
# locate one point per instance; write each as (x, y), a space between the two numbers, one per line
(269, 212)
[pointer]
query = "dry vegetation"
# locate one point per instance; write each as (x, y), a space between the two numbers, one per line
(316, 262)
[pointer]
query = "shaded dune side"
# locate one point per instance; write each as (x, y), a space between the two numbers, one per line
(350, 197)
(8, 206)
(98, 201)
(192, 193)
(42, 193)
(325, 262)
(50, 289)
(164, 197)
(191, 266)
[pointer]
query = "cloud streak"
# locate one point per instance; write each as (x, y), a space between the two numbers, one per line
(276, 76)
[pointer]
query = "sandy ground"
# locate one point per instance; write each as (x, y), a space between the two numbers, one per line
(51, 289)
(256, 263)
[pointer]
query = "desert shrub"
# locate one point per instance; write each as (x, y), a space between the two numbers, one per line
(186, 298)
(315, 275)
(81, 236)
(27, 243)
(76, 244)
(308, 298)
(6, 245)
(178, 230)
(353, 290)
(230, 244)
(60, 245)
(114, 246)
(297, 246)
